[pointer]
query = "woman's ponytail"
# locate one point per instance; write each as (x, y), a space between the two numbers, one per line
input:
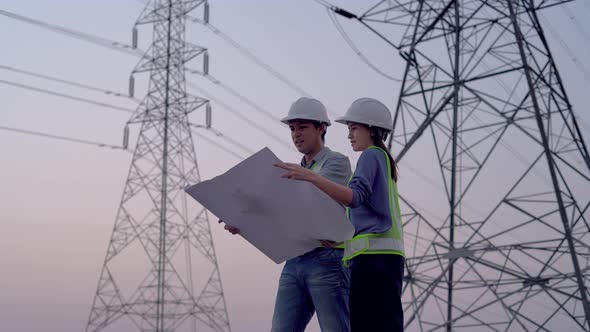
(378, 139)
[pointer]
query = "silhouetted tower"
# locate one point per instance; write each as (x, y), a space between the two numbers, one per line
(160, 272)
(482, 111)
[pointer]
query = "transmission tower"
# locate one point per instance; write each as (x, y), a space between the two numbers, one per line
(160, 271)
(483, 110)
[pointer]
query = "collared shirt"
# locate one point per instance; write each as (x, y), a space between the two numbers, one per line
(333, 165)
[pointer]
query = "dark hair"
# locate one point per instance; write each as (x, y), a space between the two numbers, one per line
(379, 136)
(317, 124)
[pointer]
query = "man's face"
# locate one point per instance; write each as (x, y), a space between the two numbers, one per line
(305, 135)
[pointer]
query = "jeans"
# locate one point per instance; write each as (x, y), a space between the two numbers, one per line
(375, 293)
(314, 282)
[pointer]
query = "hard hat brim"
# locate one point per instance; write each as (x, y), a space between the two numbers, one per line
(287, 119)
(346, 120)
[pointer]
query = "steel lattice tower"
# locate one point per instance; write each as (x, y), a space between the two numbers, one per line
(160, 272)
(483, 111)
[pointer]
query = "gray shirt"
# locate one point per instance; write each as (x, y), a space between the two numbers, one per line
(332, 165)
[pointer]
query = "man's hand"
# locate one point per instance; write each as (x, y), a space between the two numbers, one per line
(330, 244)
(231, 229)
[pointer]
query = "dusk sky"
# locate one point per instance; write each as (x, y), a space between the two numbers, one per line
(58, 200)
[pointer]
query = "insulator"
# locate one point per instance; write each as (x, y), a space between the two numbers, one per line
(134, 38)
(131, 86)
(206, 13)
(206, 63)
(208, 115)
(126, 137)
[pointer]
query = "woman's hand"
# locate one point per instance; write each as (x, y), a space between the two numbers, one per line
(339, 193)
(297, 172)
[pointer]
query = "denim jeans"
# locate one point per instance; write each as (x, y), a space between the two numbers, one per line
(314, 282)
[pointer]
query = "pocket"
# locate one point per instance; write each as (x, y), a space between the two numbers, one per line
(330, 257)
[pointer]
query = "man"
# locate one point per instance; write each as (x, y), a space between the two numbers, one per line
(316, 281)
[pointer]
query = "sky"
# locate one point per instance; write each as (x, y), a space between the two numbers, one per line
(58, 199)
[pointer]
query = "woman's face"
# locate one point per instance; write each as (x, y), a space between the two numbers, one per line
(359, 136)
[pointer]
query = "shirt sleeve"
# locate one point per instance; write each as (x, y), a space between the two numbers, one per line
(337, 169)
(364, 177)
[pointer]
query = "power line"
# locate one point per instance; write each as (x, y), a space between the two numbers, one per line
(583, 122)
(63, 95)
(356, 50)
(250, 55)
(257, 60)
(68, 82)
(243, 98)
(219, 146)
(105, 145)
(581, 65)
(244, 51)
(566, 48)
(108, 92)
(231, 140)
(330, 10)
(62, 138)
(224, 137)
(129, 50)
(139, 53)
(241, 116)
(577, 24)
(325, 4)
(76, 34)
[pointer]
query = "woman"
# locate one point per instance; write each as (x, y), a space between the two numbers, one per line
(376, 252)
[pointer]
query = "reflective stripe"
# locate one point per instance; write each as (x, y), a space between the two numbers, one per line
(390, 242)
(365, 243)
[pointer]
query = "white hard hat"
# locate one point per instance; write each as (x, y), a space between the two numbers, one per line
(368, 111)
(307, 109)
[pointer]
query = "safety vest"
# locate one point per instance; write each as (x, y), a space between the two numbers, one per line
(317, 166)
(390, 242)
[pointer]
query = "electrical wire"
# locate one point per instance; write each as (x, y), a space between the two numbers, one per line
(580, 64)
(69, 82)
(67, 96)
(137, 52)
(356, 50)
(62, 138)
(219, 146)
(241, 116)
(106, 145)
(224, 137)
(243, 98)
(248, 54)
(231, 140)
(325, 3)
(73, 33)
(576, 23)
